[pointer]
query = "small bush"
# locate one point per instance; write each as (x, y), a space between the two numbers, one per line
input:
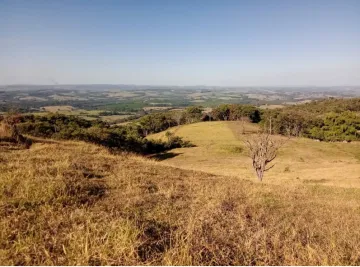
(176, 141)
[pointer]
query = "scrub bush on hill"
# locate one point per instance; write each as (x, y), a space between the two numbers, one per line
(193, 114)
(176, 141)
(234, 112)
(9, 131)
(326, 120)
(157, 122)
(124, 138)
(338, 127)
(328, 105)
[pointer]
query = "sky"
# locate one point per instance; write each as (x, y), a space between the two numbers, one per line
(180, 42)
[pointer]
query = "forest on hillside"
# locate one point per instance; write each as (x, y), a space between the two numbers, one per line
(325, 120)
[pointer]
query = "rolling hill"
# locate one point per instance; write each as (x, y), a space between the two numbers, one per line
(220, 150)
(73, 203)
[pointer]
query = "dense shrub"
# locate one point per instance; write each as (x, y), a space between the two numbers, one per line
(9, 131)
(326, 120)
(156, 122)
(234, 112)
(193, 114)
(124, 138)
(174, 141)
(338, 127)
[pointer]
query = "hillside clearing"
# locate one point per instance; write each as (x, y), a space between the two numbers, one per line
(220, 150)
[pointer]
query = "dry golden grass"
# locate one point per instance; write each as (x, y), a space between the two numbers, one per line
(71, 203)
(4, 130)
(220, 150)
(58, 108)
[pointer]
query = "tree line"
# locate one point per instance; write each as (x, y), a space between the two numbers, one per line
(325, 120)
(158, 122)
(116, 138)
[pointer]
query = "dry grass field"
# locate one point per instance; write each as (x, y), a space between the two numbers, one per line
(220, 150)
(58, 108)
(73, 203)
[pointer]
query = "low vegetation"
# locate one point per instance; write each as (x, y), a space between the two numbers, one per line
(120, 138)
(70, 200)
(9, 132)
(325, 120)
(234, 112)
(73, 203)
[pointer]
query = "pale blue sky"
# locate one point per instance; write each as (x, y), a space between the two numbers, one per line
(226, 43)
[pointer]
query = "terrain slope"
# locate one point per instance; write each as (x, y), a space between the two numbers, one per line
(73, 203)
(219, 149)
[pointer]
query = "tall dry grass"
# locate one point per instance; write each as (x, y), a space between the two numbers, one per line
(9, 133)
(5, 130)
(71, 203)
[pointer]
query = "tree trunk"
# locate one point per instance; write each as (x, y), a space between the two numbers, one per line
(260, 174)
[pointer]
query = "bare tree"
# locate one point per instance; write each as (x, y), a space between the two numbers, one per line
(242, 122)
(262, 150)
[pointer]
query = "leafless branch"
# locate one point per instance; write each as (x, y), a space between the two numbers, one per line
(263, 149)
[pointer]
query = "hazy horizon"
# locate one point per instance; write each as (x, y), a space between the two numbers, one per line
(186, 43)
(174, 85)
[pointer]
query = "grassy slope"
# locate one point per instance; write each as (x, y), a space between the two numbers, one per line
(220, 150)
(71, 203)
